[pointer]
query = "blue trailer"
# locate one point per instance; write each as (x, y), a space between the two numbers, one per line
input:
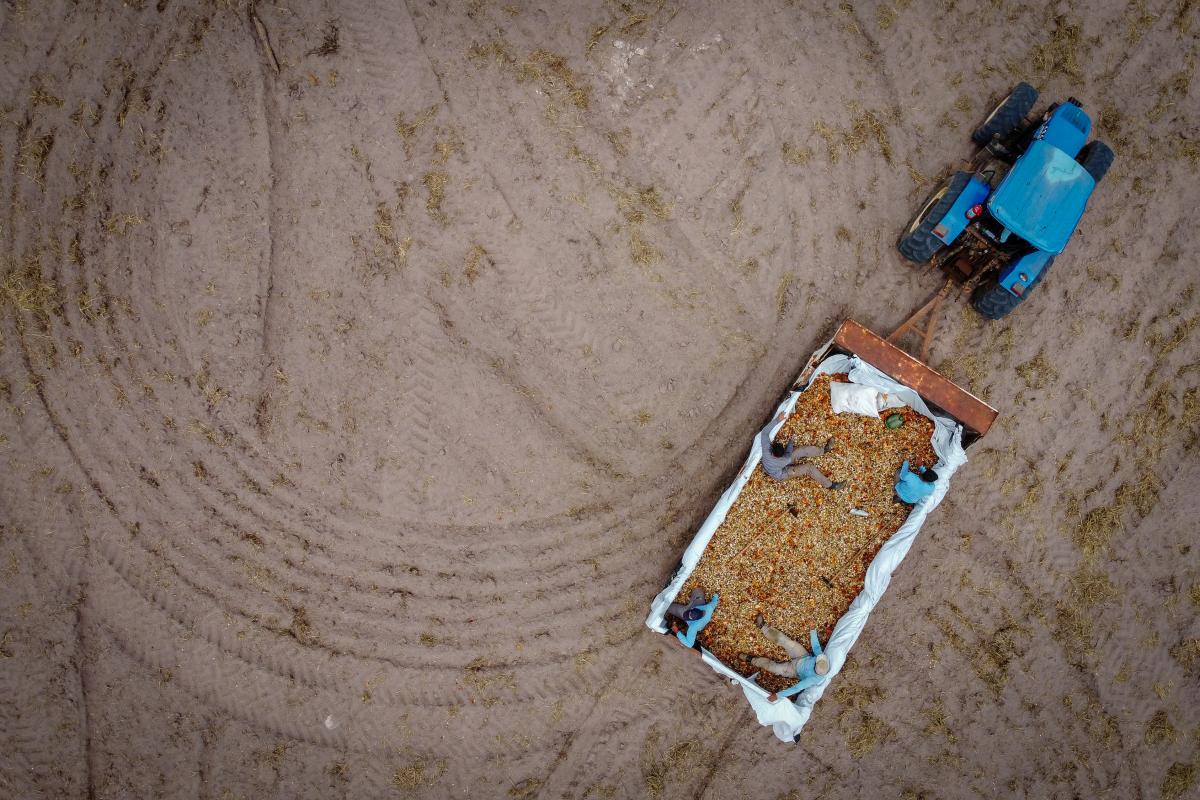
(998, 226)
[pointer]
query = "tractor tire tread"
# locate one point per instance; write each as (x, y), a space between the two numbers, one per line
(1096, 157)
(921, 245)
(1009, 115)
(993, 301)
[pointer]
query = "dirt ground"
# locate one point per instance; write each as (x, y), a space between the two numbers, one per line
(360, 385)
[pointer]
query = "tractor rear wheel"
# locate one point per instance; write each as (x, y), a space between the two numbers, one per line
(1096, 157)
(1007, 117)
(994, 301)
(918, 244)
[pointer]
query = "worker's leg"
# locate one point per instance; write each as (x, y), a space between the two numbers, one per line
(807, 452)
(784, 669)
(807, 471)
(794, 649)
(696, 598)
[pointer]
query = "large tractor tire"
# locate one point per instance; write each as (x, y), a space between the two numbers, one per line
(993, 301)
(1096, 158)
(918, 244)
(1007, 117)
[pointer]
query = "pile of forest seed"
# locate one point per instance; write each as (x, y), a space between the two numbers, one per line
(792, 551)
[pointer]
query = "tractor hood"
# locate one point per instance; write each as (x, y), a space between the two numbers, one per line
(1042, 197)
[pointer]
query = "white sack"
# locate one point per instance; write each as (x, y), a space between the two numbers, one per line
(854, 398)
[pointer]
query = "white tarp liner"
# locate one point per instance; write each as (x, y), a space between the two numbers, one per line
(785, 717)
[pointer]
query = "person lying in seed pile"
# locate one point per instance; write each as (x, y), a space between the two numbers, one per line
(810, 670)
(781, 460)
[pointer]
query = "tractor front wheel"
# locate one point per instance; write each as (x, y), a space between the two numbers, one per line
(918, 244)
(1007, 117)
(994, 301)
(1096, 157)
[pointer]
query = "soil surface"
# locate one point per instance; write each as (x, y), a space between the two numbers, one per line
(366, 365)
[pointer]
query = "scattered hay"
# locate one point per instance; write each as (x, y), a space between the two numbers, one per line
(1061, 53)
(866, 127)
(594, 37)
(651, 198)
(830, 137)
(1037, 372)
(885, 16)
(632, 22)
(1164, 345)
(575, 154)
(119, 224)
(1139, 21)
(1179, 780)
(919, 178)
(1189, 149)
(1183, 16)
(407, 129)
(1159, 730)
(938, 724)
(410, 777)
(435, 184)
(868, 734)
(329, 43)
(483, 675)
(392, 248)
(301, 628)
(643, 253)
(32, 154)
(1087, 590)
(40, 97)
(672, 763)
(524, 789)
(1142, 494)
(1187, 653)
(1092, 535)
(796, 156)
(25, 290)
(445, 149)
(557, 78)
(781, 294)
(471, 263)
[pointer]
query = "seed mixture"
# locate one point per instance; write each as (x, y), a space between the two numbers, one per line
(792, 551)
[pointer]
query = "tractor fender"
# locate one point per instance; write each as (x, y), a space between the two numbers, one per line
(956, 221)
(1022, 273)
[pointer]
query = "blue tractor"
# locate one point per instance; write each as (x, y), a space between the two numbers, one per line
(999, 226)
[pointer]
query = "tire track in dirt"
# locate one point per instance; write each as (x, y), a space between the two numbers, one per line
(111, 373)
(565, 329)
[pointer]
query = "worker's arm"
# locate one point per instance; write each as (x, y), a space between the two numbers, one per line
(765, 440)
(800, 686)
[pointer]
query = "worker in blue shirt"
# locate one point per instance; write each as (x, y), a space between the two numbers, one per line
(809, 669)
(696, 613)
(912, 487)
